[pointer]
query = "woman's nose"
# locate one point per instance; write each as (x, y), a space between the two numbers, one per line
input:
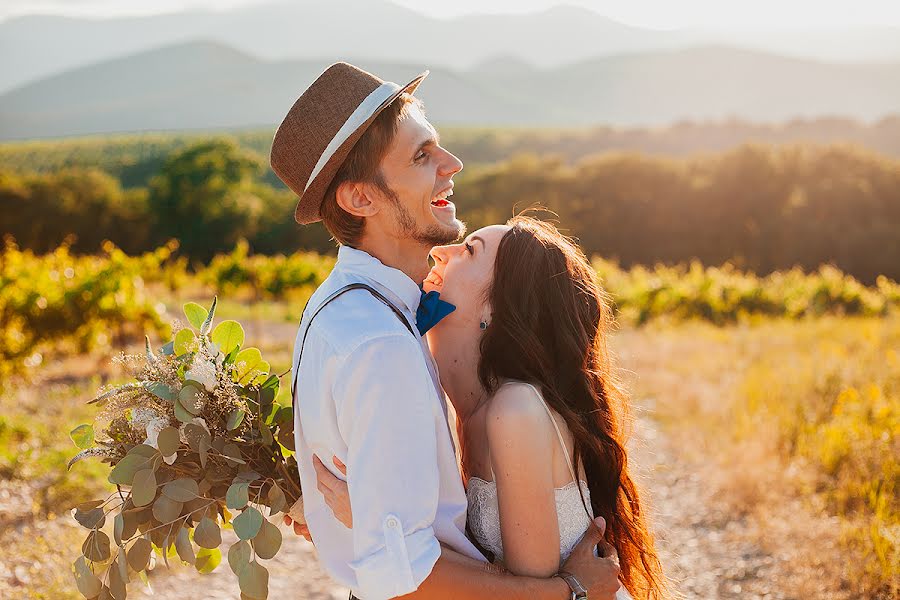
(439, 254)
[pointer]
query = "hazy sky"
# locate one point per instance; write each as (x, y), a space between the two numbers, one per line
(707, 14)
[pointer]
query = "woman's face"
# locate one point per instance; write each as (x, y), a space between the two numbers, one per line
(462, 274)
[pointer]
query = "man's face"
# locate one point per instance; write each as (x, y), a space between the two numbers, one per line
(420, 174)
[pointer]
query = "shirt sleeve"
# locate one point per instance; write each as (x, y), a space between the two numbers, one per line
(384, 398)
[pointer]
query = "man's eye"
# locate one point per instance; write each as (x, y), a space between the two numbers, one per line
(469, 248)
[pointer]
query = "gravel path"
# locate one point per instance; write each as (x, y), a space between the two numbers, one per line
(704, 552)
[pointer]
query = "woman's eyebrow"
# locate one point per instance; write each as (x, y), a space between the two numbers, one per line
(475, 238)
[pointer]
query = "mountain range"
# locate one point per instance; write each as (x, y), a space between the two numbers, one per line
(37, 46)
(209, 85)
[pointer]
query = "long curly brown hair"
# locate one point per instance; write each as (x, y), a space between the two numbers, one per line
(549, 324)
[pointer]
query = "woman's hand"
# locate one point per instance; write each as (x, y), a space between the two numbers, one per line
(337, 496)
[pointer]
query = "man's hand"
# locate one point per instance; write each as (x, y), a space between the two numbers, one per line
(599, 574)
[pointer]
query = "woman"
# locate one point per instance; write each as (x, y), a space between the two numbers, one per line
(524, 363)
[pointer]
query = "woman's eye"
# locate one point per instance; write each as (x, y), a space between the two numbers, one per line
(469, 248)
(420, 156)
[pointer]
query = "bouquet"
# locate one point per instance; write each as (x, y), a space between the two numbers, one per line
(196, 443)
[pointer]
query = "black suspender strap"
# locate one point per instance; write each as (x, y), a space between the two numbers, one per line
(333, 296)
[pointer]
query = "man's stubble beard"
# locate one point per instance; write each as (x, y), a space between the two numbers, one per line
(433, 235)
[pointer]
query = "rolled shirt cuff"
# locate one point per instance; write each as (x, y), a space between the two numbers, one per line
(400, 566)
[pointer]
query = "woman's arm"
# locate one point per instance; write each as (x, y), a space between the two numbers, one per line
(522, 441)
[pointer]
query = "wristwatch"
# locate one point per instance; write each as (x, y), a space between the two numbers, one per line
(578, 590)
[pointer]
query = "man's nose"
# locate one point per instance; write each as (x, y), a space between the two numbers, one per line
(451, 165)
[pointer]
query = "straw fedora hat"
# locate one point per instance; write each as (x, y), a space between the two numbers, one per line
(322, 127)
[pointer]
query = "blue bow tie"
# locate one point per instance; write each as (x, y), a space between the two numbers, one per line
(431, 310)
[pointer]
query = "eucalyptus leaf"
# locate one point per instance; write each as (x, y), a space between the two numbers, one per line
(166, 510)
(92, 519)
(239, 556)
(247, 524)
(182, 414)
(254, 581)
(123, 472)
(207, 534)
(268, 541)
(189, 397)
(118, 528)
(183, 342)
(207, 559)
(88, 584)
(235, 418)
(116, 582)
(90, 505)
(183, 546)
(139, 554)
(182, 490)
(265, 434)
(233, 453)
(228, 335)
(195, 314)
(168, 441)
(143, 488)
(83, 436)
(96, 546)
(194, 433)
(167, 349)
(237, 496)
(160, 390)
(277, 500)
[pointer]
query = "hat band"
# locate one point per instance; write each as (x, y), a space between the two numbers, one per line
(362, 113)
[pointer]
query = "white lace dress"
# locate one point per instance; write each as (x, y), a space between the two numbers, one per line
(573, 519)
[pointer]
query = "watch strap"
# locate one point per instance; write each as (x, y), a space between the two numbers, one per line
(578, 590)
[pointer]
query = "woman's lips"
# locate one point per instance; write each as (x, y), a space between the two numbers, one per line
(433, 281)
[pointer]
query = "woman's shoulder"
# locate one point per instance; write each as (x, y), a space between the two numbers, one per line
(516, 408)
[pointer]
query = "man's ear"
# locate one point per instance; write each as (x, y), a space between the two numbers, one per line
(353, 197)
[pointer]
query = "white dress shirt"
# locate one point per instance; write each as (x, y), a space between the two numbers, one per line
(368, 392)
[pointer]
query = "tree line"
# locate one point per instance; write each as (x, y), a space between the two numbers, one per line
(762, 207)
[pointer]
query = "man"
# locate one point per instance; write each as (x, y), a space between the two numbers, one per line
(363, 158)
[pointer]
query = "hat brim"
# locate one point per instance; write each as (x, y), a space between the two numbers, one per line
(308, 205)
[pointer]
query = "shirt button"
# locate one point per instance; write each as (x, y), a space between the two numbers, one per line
(393, 523)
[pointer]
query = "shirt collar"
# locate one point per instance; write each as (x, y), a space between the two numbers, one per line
(358, 262)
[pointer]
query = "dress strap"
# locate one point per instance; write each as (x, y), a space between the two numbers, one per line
(559, 435)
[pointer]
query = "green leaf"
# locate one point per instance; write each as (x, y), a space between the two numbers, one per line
(248, 361)
(189, 397)
(235, 418)
(204, 329)
(83, 436)
(181, 490)
(247, 524)
(166, 510)
(160, 390)
(143, 488)
(139, 554)
(268, 541)
(195, 314)
(207, 533)
(168, 441)
(254, 581)
(167, 349)
(92, 519)
(96, 546)
(88, 584)
(183, 342)
(194, 433)
(207, 559)
(237, 496)
(239, 556)
(183, 546)
(228, 335)
(233, 453)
